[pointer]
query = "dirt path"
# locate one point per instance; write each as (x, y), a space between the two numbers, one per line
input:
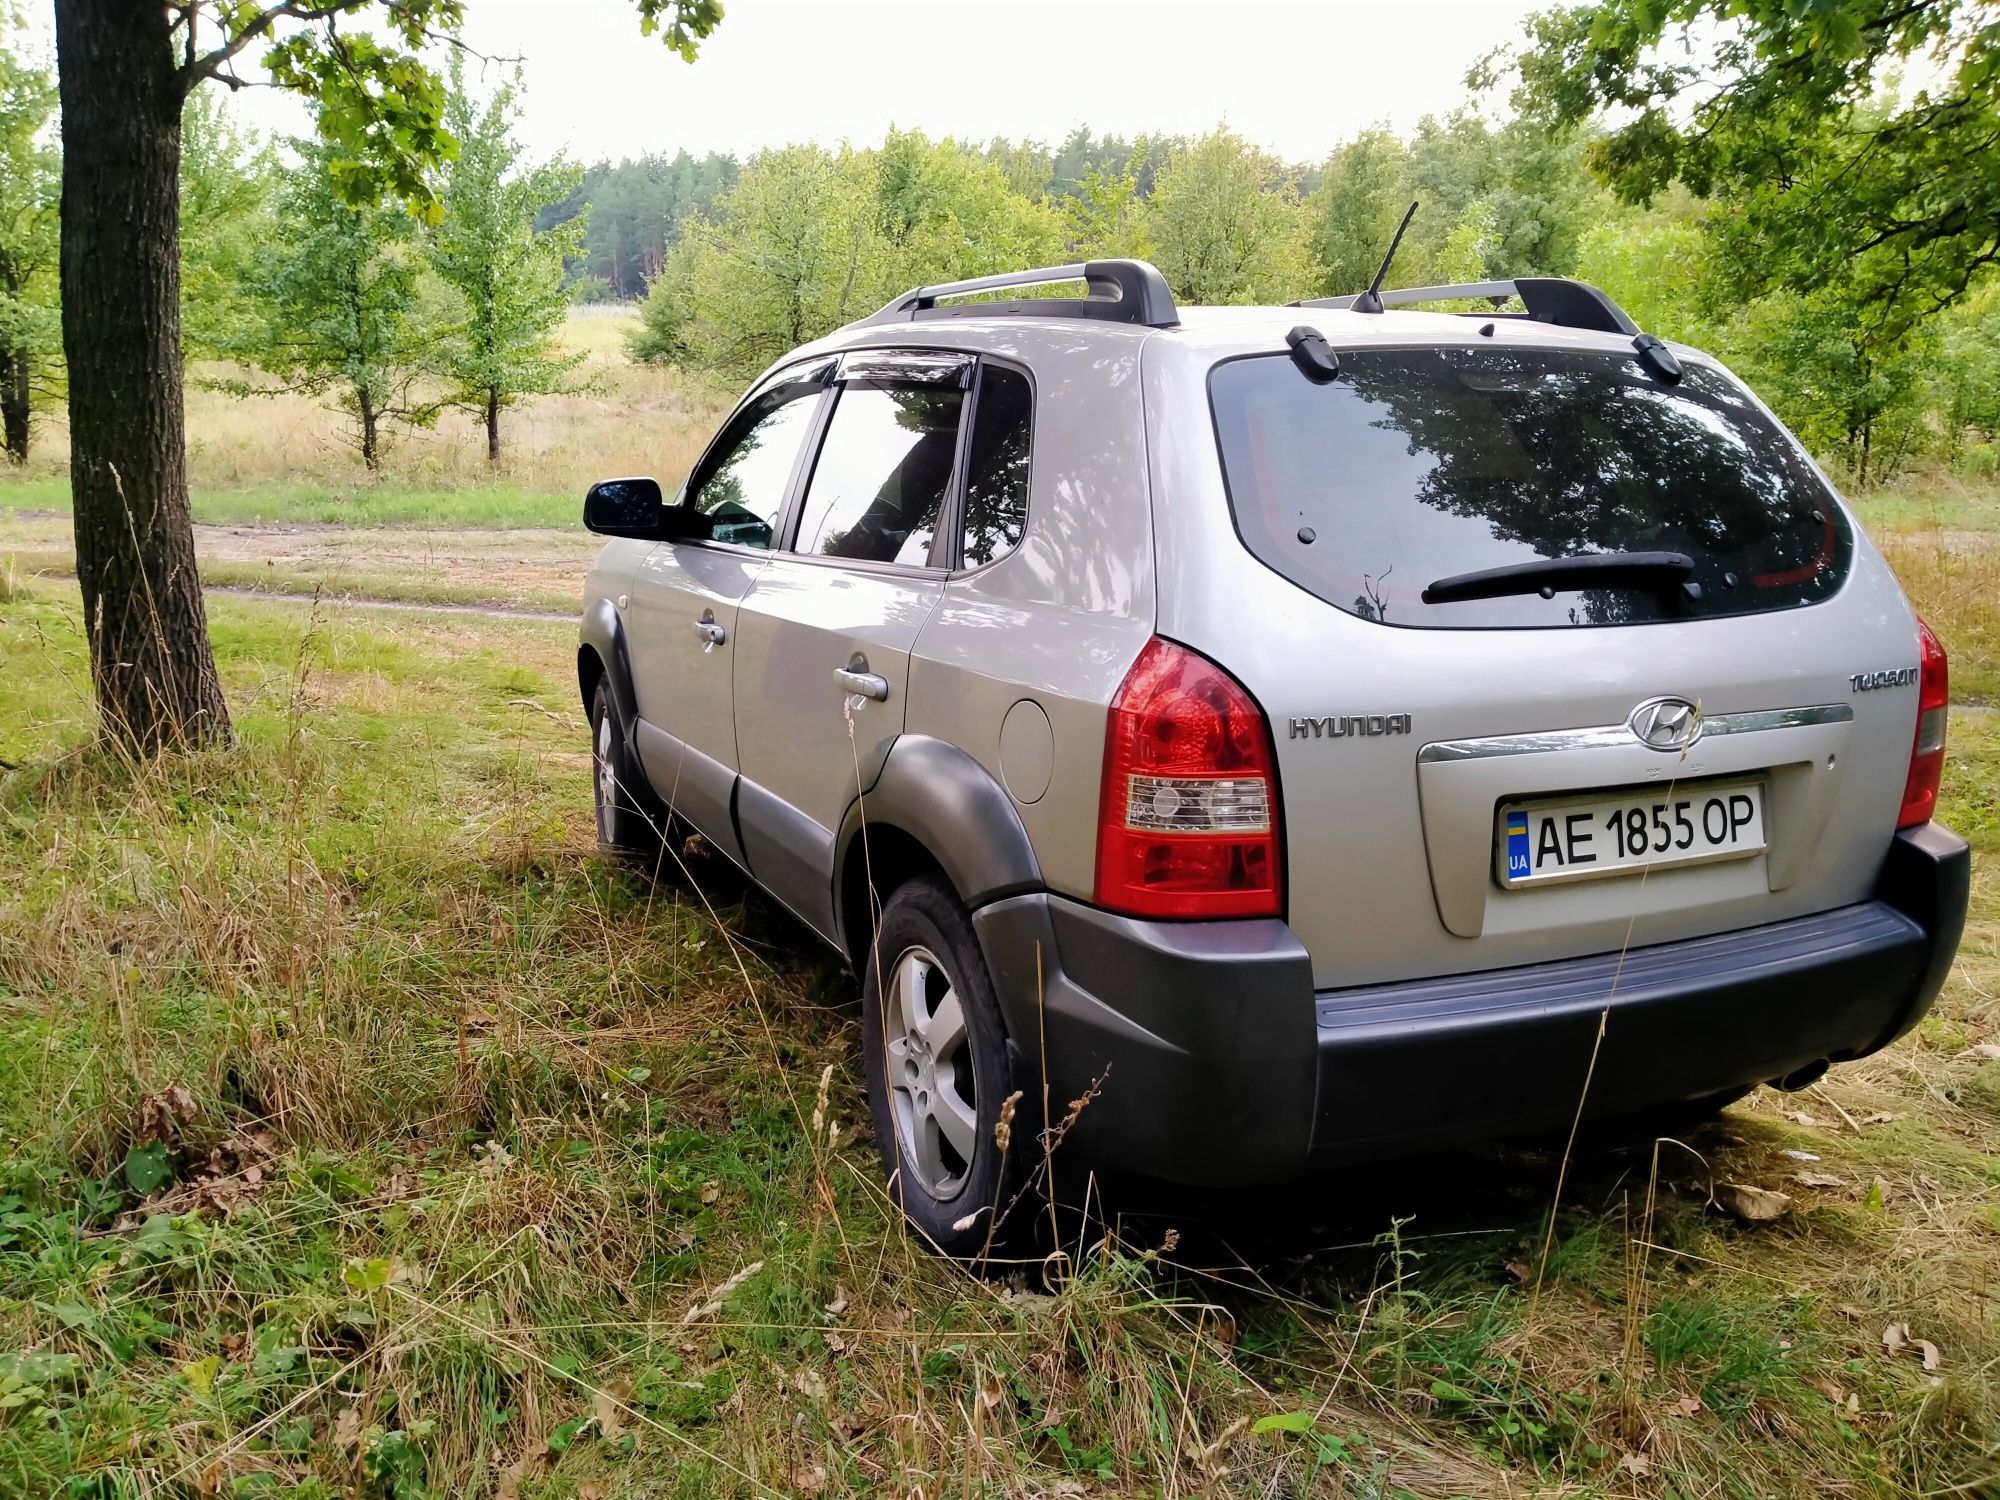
(521, 572)
(354, 601)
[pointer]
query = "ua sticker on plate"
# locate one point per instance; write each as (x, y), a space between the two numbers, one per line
(1517, 845)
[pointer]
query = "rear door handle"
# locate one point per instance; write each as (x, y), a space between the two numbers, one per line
(712, 634)
(864, 684)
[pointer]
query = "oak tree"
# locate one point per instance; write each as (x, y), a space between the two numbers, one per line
(125, 69)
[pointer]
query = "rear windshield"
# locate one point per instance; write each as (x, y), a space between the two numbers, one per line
(1417, 465)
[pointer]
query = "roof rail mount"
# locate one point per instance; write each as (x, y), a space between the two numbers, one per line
(1119, 291)
(1548, 299)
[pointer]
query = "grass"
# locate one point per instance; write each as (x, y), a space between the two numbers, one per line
(365, 1133)
(290, 460)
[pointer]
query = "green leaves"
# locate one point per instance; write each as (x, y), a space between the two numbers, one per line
(147, 1168)
(381, 106)
(1839, 179)
(1326, 1447)
(507, 278)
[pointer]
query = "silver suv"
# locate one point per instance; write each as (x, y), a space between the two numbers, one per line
(1289, 731)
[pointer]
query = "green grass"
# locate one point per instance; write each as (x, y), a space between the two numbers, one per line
(497, 506)
(1946, 504)
(364, 1133)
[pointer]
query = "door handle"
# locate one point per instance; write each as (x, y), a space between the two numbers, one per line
(863, 684)
(712, 634)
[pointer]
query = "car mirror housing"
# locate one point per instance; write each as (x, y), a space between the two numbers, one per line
(627, 507)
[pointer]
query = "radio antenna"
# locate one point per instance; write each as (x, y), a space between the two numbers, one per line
(1370, 301)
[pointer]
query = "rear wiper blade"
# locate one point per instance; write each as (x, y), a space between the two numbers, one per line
(1659, 571)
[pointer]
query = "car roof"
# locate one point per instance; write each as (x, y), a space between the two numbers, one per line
(1212, 333)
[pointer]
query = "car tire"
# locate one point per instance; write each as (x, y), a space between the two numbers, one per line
(940, 1072)
(623, 826)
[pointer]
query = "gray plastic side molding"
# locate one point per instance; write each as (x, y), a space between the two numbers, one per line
(603, 632)
(955, 808)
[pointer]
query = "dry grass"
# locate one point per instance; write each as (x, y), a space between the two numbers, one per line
(636, 420)
(529, 1115)
(529, 1112)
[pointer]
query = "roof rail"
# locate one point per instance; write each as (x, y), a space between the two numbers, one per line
(1549, 299)
(1120, 291)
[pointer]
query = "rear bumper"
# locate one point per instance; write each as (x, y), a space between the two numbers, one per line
(1216, 1062)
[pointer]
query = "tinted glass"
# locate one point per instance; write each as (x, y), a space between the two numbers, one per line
(996, 480)
(741, 495)
(1414, 465)
(882, 474)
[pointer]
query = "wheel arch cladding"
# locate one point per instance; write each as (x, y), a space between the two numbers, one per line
(933, 807)
(601, 653)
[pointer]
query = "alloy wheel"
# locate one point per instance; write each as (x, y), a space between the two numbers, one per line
(930, 1073)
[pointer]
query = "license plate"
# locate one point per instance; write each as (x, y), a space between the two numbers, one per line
(1583, 838)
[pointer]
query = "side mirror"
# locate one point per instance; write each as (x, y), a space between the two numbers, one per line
(626, 507)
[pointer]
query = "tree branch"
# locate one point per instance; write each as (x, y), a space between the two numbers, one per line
(197, 69)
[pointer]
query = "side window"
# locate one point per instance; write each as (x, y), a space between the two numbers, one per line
(882, 474)
(743, 490)
(996, 481)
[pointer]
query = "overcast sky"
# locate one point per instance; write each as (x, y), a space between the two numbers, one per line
(1295, 77)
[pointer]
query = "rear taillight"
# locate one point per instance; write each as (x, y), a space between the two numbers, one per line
(1920, 792)
(1188, 819)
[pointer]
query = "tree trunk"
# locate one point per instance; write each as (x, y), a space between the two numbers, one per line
(492, 426)
(142, 604)
(371, 456)
(14, 403)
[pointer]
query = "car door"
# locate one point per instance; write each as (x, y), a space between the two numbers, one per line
(824, 634)
(681, 616)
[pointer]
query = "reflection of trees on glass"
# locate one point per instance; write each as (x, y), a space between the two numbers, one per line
(739, 499)
(1514, 455)
(880, 481)
(996, 485)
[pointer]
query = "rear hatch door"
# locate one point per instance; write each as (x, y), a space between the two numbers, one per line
(1481, 773)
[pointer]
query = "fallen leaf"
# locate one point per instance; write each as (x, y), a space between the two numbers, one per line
(1880, 1117)
(710, 1191)
(809, 1383)
(808, 1479)
(1636, 1464)
(839, 1303)
(608, 1403)
(1933, 1357)
(1518, 1269)
(593, 1489)
(347, 1429)
(1800, 1155)
(1819, 1179)
(1988, 1050)
(1896, 1338)
(1687, 1406)
(1800, 1117)
(1752, 1205)
(1830, 1389)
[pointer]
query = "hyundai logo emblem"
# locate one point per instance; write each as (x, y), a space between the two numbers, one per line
(1666, 723)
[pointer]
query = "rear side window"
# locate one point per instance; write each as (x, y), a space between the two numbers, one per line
(1416, 465)
(996, 479)
(882, 474)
